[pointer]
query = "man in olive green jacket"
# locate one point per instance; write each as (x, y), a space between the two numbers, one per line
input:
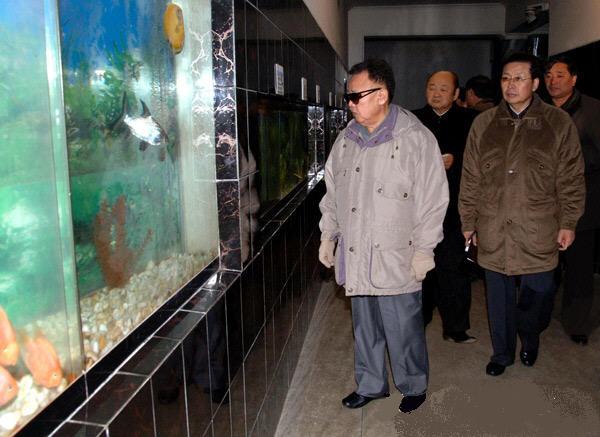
(522, 192)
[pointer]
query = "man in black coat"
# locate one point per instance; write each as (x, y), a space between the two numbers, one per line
(561, 77)
(448, 285)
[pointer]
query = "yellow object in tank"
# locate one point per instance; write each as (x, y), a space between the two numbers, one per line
(173, 27)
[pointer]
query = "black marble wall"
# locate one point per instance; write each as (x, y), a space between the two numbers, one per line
(218, 357)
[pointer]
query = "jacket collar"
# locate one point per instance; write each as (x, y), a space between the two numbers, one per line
(573, 103)
(382, 134)
(531, 117)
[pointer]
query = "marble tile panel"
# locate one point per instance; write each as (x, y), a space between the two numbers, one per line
(278, 259)
(169, 396)
(221, 281)
(235, 342)
(218, 353)
(270, 353)
(136, 419)
(180, 325)
(238, 409)
(223, 43)
(222, 420)
(203, 300)
(150, 357)
(229, 224)
(239, 10)
(252, 53)
(105, 404)
(255, 379)
(73, 429)
(242, 132)
(253, 302)
(197, 379)
(225, 133)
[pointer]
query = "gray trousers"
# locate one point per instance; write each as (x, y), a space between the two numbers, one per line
(395, 321)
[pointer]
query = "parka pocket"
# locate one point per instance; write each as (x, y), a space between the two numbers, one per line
(391, 256)
(540, 176)
(491, 178)
(489, 237)
(390, 199)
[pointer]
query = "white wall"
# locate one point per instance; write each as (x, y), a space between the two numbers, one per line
(573, 23)
(421, 20)
(331, 18)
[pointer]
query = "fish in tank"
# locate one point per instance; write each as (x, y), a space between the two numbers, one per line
(135, 203)
(103, 183)
(40, 343)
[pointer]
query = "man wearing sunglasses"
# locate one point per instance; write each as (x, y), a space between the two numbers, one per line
(385, 203)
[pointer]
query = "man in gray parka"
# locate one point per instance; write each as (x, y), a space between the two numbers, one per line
(385, 203)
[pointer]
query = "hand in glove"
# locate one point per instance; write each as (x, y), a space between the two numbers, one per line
(421, 263)
(326, 250)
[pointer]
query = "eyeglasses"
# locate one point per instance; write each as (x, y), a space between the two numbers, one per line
(517, 80)
(355, 97)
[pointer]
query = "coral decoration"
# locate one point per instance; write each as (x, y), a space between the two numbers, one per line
(42, 361)
(9, 349)
(8, 387)
(117, 260)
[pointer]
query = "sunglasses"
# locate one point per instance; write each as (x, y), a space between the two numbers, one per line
(355, 97)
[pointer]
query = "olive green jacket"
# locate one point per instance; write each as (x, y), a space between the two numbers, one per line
(522, 181)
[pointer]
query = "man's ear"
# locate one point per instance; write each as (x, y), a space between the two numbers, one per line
(382, 96)
(536, 84)
(574, 79)
(456, 94)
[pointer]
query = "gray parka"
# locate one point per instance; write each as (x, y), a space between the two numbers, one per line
(386, 198)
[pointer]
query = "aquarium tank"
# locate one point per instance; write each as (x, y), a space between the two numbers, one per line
(279, 129)
(40, 345)
(107, 180)
(139, 184)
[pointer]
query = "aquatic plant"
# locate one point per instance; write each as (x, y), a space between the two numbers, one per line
(117, 260)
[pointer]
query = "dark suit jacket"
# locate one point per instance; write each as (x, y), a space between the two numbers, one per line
(585, 112)
(451, 131)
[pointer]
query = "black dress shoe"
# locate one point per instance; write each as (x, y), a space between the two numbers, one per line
(460, 337)
(528, 357)
(411, 403)
(581, 339)
(494, 369)
(354, 400)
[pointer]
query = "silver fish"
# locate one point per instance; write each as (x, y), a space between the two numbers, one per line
(144, 127)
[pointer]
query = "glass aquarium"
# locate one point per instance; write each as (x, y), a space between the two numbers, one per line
(143, 196)
(107, 180)
(40, 345)
(280, 131)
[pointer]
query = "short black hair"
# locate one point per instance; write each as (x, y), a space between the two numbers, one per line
(379, 71)
(535, 65)
(482, 86)
(454, 77)
(563, 59)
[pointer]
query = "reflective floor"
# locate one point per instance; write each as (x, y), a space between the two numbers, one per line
(559, 396)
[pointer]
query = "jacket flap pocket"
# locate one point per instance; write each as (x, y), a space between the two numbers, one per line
(386, 240)
(393, 190)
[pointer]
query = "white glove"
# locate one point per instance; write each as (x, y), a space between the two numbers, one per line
(421, 263)
(326, 250)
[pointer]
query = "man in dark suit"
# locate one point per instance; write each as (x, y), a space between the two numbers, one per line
(561, 77)
(447, 286)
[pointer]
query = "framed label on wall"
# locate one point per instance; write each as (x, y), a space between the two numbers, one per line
(303, 89)
(279, 89)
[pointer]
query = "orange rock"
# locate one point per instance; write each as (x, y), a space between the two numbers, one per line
(42, 361)
(173, 27)
(9, 349)
(8, 387)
